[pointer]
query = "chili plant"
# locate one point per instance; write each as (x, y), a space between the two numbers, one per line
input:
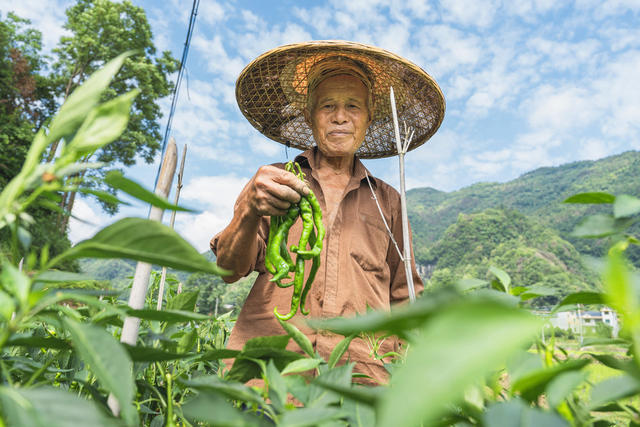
(473, 356)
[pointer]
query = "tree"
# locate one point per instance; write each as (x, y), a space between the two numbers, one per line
(100, 30)
(211, 288)
(25, 93)
(26, 101)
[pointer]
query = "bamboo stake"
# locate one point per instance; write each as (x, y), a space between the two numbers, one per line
(143, 269)
(402, 150)
(163, 277)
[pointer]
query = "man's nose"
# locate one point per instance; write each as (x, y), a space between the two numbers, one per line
(340, 115)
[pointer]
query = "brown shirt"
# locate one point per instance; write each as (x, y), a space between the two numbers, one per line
(359, 268)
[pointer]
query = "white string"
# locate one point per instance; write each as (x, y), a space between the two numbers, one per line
(373, 195)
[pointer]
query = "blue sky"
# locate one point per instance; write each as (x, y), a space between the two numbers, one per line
(528, 83)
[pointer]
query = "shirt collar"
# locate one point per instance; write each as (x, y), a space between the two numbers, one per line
(307, 159)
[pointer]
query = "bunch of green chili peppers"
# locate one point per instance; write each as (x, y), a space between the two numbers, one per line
(278, 260)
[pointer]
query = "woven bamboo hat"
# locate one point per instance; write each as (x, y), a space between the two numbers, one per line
(272, 93)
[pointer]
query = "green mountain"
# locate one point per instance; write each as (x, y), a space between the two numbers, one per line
(538, 194)
(531, 253)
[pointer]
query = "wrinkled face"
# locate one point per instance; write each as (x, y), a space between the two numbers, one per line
(339, 115)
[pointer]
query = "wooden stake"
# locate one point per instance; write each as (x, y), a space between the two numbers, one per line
(143, 269)
(402, 150)
(163, 277)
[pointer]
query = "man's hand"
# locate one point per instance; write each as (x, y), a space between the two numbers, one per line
(271, 191)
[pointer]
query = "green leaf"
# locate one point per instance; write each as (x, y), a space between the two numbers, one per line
(186, 301)
(55, 276)
(621, 293)
(516, 413)
(117, 180)
(271, 341)
(230, 389)
(397, 322)
(142, 240)
(168, 316)
(626, 365)
(367, 395)
(16, 283)
(187, 340)
(503, 278)
(626, 206)
(468, 284)
(301, 339)
(600, 225)
(40, 342)
(591, 198)
(103, 124)
(7, 306)
(532, 385)
(277, 386)
(339, 350)
(151, 354)
(108, 360)
(301, 365)
(461, 344)
(613, 389)
(83, 99)
(222, 353)
(210, 407)
(340, 377)
(103, 195)
(560, 387)
(584, 297)
(310, 416)
(50, 407)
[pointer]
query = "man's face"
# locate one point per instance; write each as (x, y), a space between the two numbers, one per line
(339, 115)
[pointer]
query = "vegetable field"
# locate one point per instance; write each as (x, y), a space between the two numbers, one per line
(472, 352)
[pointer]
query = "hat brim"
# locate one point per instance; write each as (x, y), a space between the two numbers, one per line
(271, 93)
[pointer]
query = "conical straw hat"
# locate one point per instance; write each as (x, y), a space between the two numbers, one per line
(272, 94)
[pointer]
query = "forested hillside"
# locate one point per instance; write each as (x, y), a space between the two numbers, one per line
(532, 254)
(538, 194)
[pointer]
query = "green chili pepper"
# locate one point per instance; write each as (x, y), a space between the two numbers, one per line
(273, 227)
(317, 220)
(307, 226)
(312, 275)
(282, 267)
(278, 260)
(297, 290)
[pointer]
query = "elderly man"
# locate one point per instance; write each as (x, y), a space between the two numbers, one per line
(328, 97)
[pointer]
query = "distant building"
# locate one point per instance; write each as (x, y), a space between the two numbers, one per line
(575, 319)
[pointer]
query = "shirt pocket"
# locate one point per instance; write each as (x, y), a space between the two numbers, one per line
(369, 245)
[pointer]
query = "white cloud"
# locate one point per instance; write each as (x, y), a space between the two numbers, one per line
(90, 221)
(218, 194)
(469, 13)
(47, 17)
(211, 12)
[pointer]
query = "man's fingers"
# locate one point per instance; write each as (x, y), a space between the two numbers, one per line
(290, 180)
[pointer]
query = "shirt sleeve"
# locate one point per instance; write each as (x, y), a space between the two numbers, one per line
(399, 291)
(257, 258)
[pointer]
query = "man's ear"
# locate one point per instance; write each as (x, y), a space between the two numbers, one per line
(307, 116)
